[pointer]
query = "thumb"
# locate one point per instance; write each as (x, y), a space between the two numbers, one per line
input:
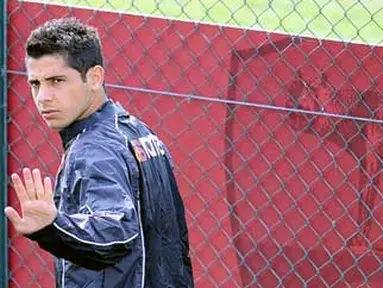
(13, 216)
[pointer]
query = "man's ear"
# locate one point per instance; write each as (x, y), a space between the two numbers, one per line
(95, 77)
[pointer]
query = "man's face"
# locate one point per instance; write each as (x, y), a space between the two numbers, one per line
(60, 94)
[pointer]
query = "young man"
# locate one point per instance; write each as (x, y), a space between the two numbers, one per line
(115, 218)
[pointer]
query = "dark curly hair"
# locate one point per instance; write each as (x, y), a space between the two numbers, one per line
(78, 43)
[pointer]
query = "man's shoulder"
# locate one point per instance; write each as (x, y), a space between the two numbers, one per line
(94, 141)
(99, 145)
(102, 134)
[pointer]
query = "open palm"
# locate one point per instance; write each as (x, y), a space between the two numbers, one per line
(37, 207)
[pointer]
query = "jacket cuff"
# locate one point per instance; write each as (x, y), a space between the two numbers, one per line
(44, 234)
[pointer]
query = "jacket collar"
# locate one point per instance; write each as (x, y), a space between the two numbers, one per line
(69, 133)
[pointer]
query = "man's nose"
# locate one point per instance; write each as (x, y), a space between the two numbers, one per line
(44, 94)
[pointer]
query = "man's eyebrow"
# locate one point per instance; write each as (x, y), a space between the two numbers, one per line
(54, 77)
(32, 80)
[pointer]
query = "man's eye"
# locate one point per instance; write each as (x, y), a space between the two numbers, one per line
(56, 81)
(35, 84)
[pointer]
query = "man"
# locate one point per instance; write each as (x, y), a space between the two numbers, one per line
(116, 218)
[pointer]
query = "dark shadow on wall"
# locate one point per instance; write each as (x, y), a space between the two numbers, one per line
(285, 73)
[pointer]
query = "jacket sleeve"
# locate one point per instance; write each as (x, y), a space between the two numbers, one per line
(101, 233)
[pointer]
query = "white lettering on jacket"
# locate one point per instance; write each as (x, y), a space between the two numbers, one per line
(147, 147)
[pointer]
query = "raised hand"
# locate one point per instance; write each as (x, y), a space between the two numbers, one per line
(37, 207)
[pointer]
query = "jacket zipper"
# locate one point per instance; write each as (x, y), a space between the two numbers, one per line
(63, 273)
(143, 244)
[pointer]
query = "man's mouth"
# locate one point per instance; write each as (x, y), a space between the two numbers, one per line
(47, 114)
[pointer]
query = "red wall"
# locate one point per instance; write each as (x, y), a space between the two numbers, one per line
(263, 188)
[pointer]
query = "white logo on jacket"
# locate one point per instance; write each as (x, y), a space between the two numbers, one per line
(147, 147)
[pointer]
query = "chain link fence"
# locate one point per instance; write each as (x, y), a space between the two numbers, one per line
(273, 114)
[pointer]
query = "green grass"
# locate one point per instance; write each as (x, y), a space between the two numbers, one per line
(353, 20)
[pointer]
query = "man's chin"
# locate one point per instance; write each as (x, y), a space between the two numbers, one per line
(55, 126)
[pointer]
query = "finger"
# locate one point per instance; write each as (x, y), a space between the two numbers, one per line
(13, 216)
(29, 185)
(48, 188)
(19, 188)
(38, 184)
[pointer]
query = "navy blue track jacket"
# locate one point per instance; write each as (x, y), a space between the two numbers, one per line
(121, 220)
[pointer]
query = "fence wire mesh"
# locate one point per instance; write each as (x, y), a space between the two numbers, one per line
(276, 135)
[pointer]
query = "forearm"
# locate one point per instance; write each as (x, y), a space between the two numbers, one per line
(91, 242)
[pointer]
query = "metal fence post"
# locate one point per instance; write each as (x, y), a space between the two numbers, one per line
(3, 145)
